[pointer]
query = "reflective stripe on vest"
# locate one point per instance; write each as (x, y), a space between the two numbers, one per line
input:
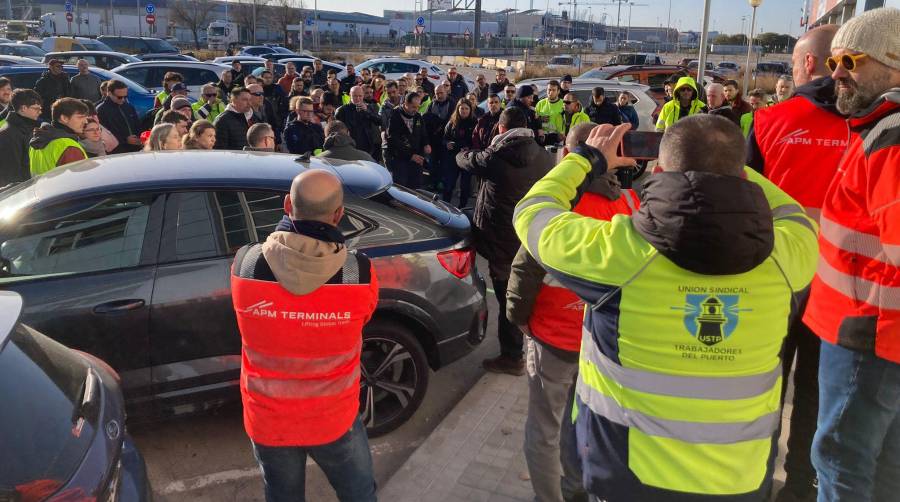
(857, 288)
(853, 241)
(45, 159)
(303, 388)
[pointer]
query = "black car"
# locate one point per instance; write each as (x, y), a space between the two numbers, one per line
(135, 250)
(63, 421)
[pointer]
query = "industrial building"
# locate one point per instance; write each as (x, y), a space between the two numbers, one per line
(819, 12)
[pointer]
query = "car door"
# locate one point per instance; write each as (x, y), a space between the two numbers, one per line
(142, 75)
(193, 329)
(196, 78)
(85, 268)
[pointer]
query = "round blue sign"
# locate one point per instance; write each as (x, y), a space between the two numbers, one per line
(68, 6)
(309, 21)
(420, 21)
(151, 8)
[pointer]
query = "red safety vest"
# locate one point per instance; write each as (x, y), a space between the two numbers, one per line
(802, 145)
(557, 316)
(300, 355)
(855, 297)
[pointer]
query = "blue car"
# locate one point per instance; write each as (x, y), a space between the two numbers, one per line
(27, 76)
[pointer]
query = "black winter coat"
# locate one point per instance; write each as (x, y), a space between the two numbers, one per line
(364, 127)
(508, 168)
(14, 138)
(460, 135)
(52, 87)
(122, 121)
(231, 131)
(458, 87)
(606, 113)
(342, 147)
(404, 142)
(302, 137)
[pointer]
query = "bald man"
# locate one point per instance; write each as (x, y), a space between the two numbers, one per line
(798, 144)
(363, 121)
(301, 301)
(718, 105)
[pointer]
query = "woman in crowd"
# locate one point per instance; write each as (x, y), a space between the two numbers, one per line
(202, 136)
(473, 100)
(163, 137)
(458, 137)
(91, 139)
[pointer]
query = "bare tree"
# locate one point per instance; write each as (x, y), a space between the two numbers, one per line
(283, 13)
(193, 14)
(249, 13)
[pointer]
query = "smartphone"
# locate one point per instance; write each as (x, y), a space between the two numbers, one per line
(641, 144)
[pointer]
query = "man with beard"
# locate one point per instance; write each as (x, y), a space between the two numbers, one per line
(525, 101)
(458, 86)
(425, 82)
(436, 118)
(320, 74)
(302, 135)
(804, 170)
(407, 142)
(52, 85)
(500, 82)
(486, 128)
(684, 104)
(482, 89)
(275, 95)
(853, 303)
(290, 73)
(362, 121)
(349, 81)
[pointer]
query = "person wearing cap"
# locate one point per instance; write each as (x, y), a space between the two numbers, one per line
(524, 101)
(53, 84)
(178, 90)
(602, 110)
(183, 106)
(209, 106)
(854, 304)
(120, 118)
(565, 85)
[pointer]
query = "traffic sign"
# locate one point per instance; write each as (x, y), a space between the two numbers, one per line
(420, 30)
(68, 6)
(466, 34)
(69, 17)
(420, 21)
(309, 21)
(150, 8)
(150, 18)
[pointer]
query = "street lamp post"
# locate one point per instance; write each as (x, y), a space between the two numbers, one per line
(754, 4)
(704, 34)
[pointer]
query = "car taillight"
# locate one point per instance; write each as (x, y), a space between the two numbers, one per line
(457, 261)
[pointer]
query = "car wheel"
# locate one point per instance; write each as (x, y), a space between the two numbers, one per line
(394, 376)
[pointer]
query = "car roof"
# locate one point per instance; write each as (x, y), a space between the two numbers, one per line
(593, 82)
(625, 67)
(10, 310)
(195, 169)
(85, 53)
(175, 64)
(18, 59)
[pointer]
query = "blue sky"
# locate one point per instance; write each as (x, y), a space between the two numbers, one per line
(774, 15)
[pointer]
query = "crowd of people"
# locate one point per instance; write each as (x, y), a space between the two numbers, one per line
(658, 329)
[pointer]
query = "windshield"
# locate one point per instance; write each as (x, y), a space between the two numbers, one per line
(630, 59)
(561, 61)
(108, 75)
(28, 50)
(216, 31)
(157, 45)
(42, 384)
(596, 73)
(94, 45)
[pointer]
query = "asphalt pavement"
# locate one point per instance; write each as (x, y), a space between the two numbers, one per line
(209, 458)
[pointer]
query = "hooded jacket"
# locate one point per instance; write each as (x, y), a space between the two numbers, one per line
(853, 301)
(122, 121)
(688, 303)
(799, 143)
(672, 110)
(406, 136)
(604, 113)
(42, 152)
(363, 126)
(14, 139)
(342, 147)
(301, 302)
(52, 87)
(507, 168)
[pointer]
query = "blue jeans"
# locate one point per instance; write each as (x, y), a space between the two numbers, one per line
(856, 450)
(346, 462)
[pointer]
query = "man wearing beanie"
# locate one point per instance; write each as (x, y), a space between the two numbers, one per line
(565, 85)
(854, 303)
(524, 101)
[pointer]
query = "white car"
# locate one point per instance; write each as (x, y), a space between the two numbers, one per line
(394, 68)
(150, 74)
(301, 61)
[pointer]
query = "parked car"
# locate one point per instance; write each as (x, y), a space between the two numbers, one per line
(25, 76)
(138, 45)
(102, 59)
(728, 68)
(17, 61)
(563, 62)
(166, 57)
(635, 58)
(394, 68)
(300, 62)
(63, 422)
(646, 106)
(771, 68)
(249, 63)
(135, 251)
(62, 44)
(150, 74)
(22, 50)
(258, 50)
(653, 76)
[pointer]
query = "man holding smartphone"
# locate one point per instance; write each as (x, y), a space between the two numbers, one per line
(363, 122)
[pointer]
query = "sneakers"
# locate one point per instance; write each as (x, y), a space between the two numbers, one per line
(505, 364)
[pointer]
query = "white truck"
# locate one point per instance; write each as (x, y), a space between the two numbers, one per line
(85, 24)
(220, 34)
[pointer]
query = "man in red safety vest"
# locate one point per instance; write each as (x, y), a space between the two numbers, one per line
(301, 301)
(798, 145)
(551, 317)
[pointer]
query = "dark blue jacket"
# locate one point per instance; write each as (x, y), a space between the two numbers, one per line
(301, 137)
